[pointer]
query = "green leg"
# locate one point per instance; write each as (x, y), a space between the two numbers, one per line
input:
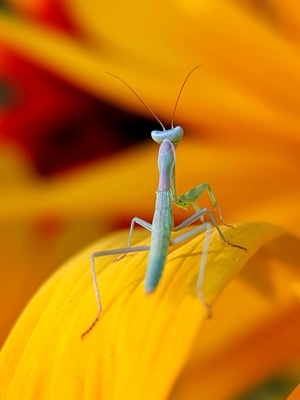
(191, 196)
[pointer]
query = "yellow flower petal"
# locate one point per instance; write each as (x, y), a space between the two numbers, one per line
(255, 332)
(140, 344)
(246, 362)
(295, 395)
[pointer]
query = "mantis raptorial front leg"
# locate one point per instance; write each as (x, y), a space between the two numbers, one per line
(191, 196)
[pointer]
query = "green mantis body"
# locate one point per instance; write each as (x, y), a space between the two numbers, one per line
(163, 222)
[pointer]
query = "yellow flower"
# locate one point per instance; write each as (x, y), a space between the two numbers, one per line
(161, 345)
(241, 116)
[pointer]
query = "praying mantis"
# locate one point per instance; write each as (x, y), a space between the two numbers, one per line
(163, 221)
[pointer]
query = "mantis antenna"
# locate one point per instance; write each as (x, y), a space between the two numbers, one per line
(179, 94)
(146, 105)
(140, 99)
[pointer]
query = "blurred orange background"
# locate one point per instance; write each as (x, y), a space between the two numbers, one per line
(76, 158)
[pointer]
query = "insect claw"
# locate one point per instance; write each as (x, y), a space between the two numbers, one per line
(119, 258)
(90, 328)
(224, 223)
(205, 304)
(208, 310)
(237, 246)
